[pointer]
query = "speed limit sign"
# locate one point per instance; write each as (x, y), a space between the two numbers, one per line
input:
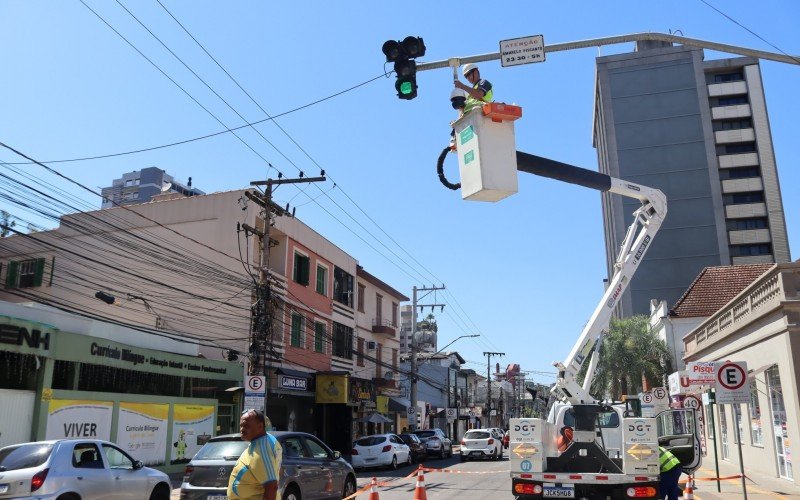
(691, 402)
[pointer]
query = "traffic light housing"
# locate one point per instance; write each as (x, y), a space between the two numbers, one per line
(402, 54)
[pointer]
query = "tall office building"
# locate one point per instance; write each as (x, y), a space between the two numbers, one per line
(140, 186)
(699, 131)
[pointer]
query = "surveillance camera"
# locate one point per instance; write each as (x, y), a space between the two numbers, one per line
(458, 98)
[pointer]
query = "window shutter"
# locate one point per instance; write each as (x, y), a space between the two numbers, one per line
(11, 274)
(39, 272)
(305, 271)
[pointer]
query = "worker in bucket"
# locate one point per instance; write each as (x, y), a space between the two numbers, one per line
(671, 471)
(478, 92)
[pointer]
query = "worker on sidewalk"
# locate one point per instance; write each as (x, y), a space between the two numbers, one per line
(670, 473)
(478, 92)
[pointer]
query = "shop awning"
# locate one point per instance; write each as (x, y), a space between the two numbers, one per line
(398, 405)
(375, 418)
(292, 373)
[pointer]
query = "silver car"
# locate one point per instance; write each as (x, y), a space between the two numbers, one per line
(309, 469)
(73, 469)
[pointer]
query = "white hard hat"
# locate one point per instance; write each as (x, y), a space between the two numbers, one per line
(467, 68)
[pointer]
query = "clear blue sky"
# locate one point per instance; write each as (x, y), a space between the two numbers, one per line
(527, 272)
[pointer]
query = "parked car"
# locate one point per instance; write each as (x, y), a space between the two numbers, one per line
(309, 470)
(77, 468)
(380, 450)
(481, 443)
(436, 443)
(417, 449)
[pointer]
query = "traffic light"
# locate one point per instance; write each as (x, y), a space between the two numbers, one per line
(402, 54)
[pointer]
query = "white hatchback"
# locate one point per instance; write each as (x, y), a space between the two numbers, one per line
(380, 450)
(481, 443)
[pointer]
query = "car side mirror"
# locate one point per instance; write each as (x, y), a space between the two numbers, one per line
(137, 465)
(337, 455)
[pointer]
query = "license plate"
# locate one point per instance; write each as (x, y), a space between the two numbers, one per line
(563, 491)
(217, 497)
(475, 453)
(370, 460)
(3, 488)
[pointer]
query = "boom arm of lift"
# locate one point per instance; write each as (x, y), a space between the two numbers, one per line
(647, 220)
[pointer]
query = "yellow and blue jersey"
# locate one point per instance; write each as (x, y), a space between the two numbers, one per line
(259, 464)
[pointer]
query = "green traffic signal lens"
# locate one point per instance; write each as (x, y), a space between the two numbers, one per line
(406, 88)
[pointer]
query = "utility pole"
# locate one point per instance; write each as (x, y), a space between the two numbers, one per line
(413, 425)
(489, 381)
(263, 308)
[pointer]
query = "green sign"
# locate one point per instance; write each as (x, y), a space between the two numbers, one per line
(469, 156)
(467, 134)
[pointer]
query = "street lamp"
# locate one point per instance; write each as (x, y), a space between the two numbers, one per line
(453, 342)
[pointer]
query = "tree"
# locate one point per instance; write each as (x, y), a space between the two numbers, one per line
(631, 353)
(5, 223)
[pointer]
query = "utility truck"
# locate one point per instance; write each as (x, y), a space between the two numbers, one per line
(612, 451)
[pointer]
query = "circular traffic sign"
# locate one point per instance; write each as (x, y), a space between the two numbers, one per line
(731, 376)
(691, 402)
(647, 398)
(255, 384)
(660, 393)
(411, 410)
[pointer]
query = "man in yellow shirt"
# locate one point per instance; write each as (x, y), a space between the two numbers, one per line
(257, 473)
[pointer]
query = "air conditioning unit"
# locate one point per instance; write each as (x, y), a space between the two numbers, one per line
(372, 345)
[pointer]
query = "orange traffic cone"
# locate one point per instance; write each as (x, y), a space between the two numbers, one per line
(373, 492)
(688, 492)
(419, 491)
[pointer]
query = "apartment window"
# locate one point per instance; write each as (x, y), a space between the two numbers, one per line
(378, 308)
(749, 250)
(301, 269)
(745, 147)
(747, 224)
(732, 101)
(735, 124)
(756, 436)
(394, 314)
(342, 341)
(342, 287)
(297, 330)
(728, 77)
(751, 197)
(743, 173)
(319, 336)
(322, 280)
(360, 357)
(25, 273)
(362, 290)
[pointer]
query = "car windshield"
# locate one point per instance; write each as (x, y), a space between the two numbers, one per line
(24, 456)
(426, 434)
(371, 440)
(221, 450)
(476, 435)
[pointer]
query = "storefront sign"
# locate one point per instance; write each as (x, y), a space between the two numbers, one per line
(294, 383)
(74, 418)
(331, 389)
(34, 336)
(192, 427)
(382, 404)
(142, 431)
(361, 390)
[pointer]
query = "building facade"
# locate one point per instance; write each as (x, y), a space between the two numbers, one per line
(699, 131)
(760, 326)
(140, 186)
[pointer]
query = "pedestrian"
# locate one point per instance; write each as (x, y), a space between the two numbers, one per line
(671, 471)
(257, 472)
(478, 92)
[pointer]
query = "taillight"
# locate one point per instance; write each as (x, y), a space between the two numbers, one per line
(528, 488)
(463, 443)
(354, 451)
(187, 473)
(38, 479)
(386, 448)
(641, 492)
(491, 441)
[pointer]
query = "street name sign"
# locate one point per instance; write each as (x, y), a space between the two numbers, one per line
(732, 387)
(525, 50)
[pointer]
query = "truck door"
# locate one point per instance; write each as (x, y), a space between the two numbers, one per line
(678, 433)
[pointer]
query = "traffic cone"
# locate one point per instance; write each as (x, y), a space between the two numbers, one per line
(373, 492)
(688, 492)
(419, 491)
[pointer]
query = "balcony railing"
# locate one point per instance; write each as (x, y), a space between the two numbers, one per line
(383, 326)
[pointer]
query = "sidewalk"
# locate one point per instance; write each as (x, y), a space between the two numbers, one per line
(757, 483)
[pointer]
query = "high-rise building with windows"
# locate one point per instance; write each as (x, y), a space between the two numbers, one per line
(140, 186)
(699, 131)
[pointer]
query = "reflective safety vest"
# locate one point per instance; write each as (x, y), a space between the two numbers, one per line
(473, 103)
(666, 460)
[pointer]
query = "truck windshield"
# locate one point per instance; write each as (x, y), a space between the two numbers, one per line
(608, 419)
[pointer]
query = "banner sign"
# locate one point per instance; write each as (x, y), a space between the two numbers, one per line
(142, 431)
(294, 383)
(76, 418)
(192, 426)
(331, 389)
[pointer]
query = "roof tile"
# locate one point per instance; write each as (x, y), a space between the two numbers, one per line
(714, 287)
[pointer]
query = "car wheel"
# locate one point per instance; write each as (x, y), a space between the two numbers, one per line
(160, 492)
(393, 465)
(450, 452)
(349, 486)
(291, 493)
(68, 496)
(442, 454)
(463, 458)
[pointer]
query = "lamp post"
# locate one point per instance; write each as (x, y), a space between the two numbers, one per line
(453, 342)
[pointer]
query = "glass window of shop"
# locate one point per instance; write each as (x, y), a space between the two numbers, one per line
(756, 435)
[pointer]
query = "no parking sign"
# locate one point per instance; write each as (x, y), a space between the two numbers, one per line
(732, 384)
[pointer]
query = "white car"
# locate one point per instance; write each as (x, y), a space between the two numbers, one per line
(380, 450)
(88, 469)
(481, 443)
